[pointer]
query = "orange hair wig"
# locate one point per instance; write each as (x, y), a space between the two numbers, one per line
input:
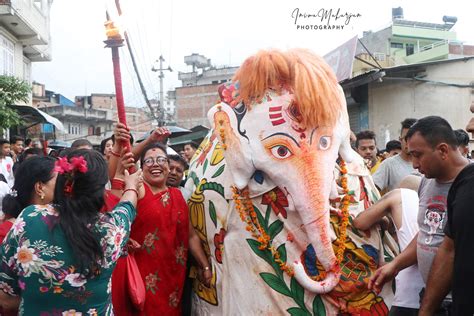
(299, 71)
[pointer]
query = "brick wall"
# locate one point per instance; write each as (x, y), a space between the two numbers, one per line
(192, 104)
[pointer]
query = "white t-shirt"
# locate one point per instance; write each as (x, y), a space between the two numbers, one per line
(409, 281)
(6, 168)
(4, 190)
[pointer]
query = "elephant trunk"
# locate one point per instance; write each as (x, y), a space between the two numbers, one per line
(314, 213)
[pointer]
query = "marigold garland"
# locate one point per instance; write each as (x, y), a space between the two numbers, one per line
(341, 241)
(247, 213)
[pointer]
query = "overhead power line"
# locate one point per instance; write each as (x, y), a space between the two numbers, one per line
(135, 67)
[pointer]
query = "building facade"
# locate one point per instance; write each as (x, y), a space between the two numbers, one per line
(198, 92)
(446, 89)
(408, 42)
(24, 36)
(394, 75)
(91, 117)
(138, 118)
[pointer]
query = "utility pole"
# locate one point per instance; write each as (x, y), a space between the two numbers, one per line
(161, 110)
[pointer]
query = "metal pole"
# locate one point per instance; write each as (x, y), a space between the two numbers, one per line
(162, 108)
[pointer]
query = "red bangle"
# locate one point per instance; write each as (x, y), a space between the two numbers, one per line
(115, 154)
(117, 184)
(130, 189)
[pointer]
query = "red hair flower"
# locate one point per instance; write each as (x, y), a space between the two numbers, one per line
(66, 168)
(62, 166)
(79, 164)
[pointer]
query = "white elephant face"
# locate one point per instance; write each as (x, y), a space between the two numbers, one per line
(299, 159)
(270, 137)
(286, 116)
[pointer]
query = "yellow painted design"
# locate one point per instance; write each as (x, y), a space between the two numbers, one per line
(197, 216)
(217, 155)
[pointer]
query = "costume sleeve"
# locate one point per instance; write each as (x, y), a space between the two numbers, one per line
(381, 176)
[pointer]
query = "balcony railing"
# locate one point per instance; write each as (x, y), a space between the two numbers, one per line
(77, 113)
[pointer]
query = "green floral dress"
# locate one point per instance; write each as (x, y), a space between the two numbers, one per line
(37, 263)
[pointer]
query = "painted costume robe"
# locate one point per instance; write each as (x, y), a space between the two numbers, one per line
(246, 280)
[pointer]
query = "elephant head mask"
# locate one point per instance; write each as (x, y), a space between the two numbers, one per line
(285, 115)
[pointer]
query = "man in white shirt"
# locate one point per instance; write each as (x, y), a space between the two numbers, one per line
(401, 205)
(6, 162)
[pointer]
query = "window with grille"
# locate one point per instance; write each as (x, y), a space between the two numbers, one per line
(7, 57)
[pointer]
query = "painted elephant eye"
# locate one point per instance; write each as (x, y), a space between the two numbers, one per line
(324, 142)
(281, 152)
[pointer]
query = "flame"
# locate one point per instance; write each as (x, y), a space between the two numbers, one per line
(111, 30)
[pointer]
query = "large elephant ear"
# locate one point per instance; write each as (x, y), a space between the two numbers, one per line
(344, 130)
(237, 148)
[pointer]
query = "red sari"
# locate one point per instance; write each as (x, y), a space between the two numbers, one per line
(162, 229)
(4, 229)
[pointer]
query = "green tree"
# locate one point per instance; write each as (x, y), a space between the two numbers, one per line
(12, 90)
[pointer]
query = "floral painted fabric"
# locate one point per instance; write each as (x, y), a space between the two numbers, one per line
(246, 279)
(38, 264)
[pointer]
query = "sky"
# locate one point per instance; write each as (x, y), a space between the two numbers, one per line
(226, 32)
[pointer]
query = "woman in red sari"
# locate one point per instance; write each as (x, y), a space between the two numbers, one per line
(162, 228)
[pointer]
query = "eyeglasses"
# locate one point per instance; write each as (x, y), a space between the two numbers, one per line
(160, 161)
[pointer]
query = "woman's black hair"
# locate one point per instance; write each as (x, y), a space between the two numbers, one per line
(152, 146)
(103, 143)
(29, 172)
(30, 152)
(79, 211)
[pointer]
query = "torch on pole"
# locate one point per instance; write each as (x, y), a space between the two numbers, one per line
(114, 41)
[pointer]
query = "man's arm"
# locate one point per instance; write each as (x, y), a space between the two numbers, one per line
(380, 176)
(439, 279)
(388, 272)
(196, 249)
(158, 135)
(377, 211)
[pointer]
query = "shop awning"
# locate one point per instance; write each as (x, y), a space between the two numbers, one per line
(33, 116)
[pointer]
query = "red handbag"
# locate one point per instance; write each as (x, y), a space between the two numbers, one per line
(136, 287)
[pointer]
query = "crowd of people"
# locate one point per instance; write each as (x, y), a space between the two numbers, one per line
(71, 221)
(426, 195)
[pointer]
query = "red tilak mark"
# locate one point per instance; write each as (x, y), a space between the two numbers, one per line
(302, 136)
(274, 116)
(275, 108)
(298, 129)
(278, 122)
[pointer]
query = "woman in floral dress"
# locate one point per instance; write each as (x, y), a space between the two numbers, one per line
(162, 229)
(58, 258)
